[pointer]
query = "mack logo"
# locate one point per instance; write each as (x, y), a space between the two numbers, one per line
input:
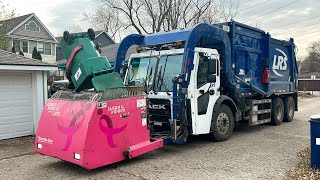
(156, 106)
(279, 63)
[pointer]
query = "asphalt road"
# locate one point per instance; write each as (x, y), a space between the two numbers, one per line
(261, 152)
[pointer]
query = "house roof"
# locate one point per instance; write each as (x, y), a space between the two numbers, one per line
(110, 51)
(10, 25)
(9, 58)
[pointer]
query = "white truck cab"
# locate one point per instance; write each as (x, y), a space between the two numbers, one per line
(154, 70)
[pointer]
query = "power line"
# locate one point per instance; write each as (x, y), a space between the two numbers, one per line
(246, 1)
(299, 40)
(305, 39)
(307, 34)
(299, 28)
(272, 11)
(254, 5)
(294, 22)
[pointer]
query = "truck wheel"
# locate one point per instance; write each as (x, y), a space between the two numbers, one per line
(91, 34)
(222, 124)
(277, 111)
(289, 107)
(66, 37)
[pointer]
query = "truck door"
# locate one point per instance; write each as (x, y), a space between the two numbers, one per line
(204, 91)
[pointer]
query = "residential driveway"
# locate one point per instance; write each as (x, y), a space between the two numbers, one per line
(262, 152)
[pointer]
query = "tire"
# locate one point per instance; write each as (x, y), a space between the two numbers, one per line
(277, 111)
(289, 108)
(222, 124)
(91, 34)
(67, 37)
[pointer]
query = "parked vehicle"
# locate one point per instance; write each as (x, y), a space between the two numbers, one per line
(205, 79)
(58, 85)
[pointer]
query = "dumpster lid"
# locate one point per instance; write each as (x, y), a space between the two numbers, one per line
(315, 118)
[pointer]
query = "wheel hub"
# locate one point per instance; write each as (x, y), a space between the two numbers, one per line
(279, 111)
(223, 123)
(291, 109)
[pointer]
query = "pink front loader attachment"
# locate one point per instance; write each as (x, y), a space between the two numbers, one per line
(94, 133)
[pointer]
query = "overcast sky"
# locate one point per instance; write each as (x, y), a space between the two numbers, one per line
(303, 15)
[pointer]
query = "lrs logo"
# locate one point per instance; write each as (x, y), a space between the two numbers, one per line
(279, 63)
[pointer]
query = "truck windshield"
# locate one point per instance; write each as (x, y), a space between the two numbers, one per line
(141, 72)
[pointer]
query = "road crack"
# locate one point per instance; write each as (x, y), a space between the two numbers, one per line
(131, 174)
(19, 155)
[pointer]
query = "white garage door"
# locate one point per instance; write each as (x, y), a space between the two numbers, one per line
(16, 105)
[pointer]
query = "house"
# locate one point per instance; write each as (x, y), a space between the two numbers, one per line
(26, 32)
(23, 93)
(101, 37)
(110, 52)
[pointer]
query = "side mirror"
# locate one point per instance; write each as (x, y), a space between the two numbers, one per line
(212, 66)
(212, 78)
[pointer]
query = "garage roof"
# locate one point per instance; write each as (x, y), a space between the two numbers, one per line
(9, 59)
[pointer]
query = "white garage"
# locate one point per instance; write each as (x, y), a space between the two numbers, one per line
(23, 92)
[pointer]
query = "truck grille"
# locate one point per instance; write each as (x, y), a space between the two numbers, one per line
(159, 116)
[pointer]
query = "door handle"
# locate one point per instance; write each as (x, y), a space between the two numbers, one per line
(201, 91)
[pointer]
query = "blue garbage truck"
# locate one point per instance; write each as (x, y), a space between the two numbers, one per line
(208, 78)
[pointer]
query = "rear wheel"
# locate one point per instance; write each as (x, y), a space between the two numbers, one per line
(289, 107)
(222, 124)
(277, 111)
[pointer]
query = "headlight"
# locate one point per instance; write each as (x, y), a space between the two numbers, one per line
(39, 146)
(76, 156)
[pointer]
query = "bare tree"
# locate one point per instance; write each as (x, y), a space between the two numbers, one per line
(105, 19)
(150, 16)
(73, 28)
(5, 14)
(228, 9)
(312, 62)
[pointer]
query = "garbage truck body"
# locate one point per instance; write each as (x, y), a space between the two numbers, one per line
(208, 78)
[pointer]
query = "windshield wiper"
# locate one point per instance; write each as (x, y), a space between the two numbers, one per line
(148, 79)
(160, 82)
(158, 78)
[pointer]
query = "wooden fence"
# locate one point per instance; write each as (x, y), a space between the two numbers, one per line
(309, 85)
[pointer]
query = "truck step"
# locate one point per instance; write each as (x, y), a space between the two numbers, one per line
(261, 111)
(260, 122)
(262, 101)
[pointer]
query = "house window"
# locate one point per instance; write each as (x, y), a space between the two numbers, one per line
(16, 45)
(25, 47)
(40, 47)
(20, 45)
(44, 48)
(32, 26)
(47, 48)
